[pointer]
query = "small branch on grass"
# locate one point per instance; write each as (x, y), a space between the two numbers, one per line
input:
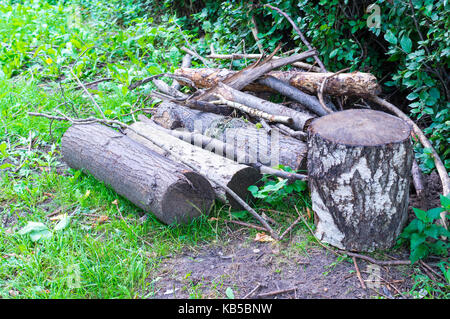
(198, 56)
(244, 224)
(375, 261)
(236, 56)
(253, 291)
(290, 227)
(89, 94)
(93, 83)
(255, 35)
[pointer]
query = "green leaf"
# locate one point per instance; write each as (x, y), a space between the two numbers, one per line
(421, 215)
(390, 37)
(445, 201)
(417, 239)
(32, 226)
(36, 230)
(434, 213)
(62, 224)
(229, 292)
(419, 252)
(6, 165)
(406, 44)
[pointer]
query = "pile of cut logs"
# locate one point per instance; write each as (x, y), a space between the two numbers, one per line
(216, 141)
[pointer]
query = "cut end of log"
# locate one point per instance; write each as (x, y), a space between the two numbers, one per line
(186, 200)
(361, 128)
(240, 183)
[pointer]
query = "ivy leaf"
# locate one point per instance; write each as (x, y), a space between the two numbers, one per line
(406, 44)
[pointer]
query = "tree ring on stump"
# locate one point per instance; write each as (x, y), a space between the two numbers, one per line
(361, 128)
(359, 164)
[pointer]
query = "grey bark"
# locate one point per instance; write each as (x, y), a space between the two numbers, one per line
(171, 191)
(236, 176)
(299, 120)
(359, 164)
(244, 138)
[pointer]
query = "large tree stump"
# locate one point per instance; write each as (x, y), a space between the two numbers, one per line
(236, 176)
(171, 191)
(359, 163)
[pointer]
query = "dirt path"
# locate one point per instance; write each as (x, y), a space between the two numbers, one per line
(309, 273)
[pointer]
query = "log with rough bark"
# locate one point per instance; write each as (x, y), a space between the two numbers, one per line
(299, 120)
(236, 176)
(259, 146)
(359, 164)
(171, 191)
(355, 83)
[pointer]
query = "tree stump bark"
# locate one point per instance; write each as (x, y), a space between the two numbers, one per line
(359, 163)
(171, 191)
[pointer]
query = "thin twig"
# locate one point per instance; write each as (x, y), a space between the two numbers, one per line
(302, 37)
(276, 292)
(363, 285)
(89, 94)
(290, 228)
(252, 292)
(322, 87)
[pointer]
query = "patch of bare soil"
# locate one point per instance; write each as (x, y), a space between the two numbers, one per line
(264, 270)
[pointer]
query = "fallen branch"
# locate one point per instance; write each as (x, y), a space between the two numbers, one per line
(236, 56)
(302, 37)
(252, 111)
(299, 120)
(322, 86)
(276, 292)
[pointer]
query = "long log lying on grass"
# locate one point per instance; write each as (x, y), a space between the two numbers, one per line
(259, 146)
(172, 191)
(236, 176)
(299, 120)
(355, 83)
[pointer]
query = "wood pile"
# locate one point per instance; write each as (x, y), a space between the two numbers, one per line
(216, 138)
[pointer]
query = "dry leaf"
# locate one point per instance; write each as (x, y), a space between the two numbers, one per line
(263, 238)
(213, 219)
(308, 212)
(115, 202)
(102, 219)
(58, 217)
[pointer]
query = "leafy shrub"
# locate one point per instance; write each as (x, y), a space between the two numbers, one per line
(423, 234)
